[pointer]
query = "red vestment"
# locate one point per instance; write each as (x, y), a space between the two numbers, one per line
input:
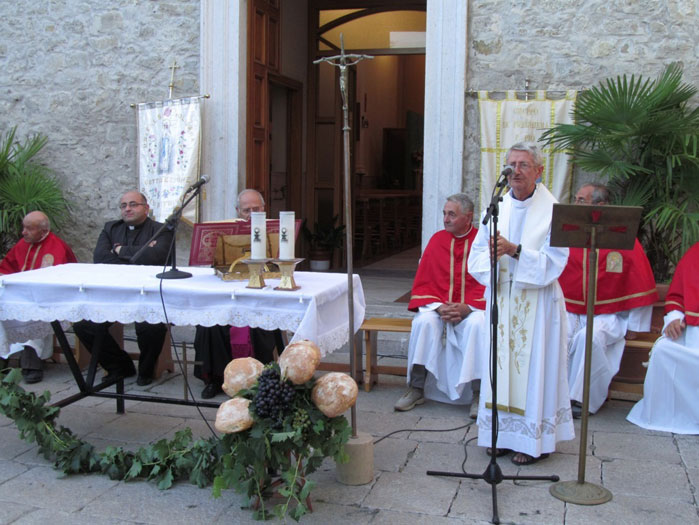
(442, 276)
(683, 294)
(25, 256)
(624, 281)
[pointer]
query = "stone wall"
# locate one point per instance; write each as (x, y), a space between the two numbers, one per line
(571, 44)
(71, 69)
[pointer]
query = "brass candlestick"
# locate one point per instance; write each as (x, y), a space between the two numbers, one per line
(256, 269)
(287, 267)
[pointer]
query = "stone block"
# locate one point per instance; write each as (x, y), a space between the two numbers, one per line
(411, 492)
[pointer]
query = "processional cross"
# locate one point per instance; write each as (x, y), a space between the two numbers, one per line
(344, 61)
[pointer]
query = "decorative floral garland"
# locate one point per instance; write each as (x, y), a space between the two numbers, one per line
(272, 458)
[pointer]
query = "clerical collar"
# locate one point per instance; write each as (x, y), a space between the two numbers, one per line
(131, 226)
(465, 234)
(525, 198)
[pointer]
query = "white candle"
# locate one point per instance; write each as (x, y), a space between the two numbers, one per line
(258, 234)
(286, 234)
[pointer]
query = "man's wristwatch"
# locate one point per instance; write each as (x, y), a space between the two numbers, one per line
(517, 251)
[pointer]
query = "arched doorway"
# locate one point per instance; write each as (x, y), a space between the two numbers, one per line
(386, 115)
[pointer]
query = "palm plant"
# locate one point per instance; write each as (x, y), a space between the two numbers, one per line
(26, 185)
(641, 135)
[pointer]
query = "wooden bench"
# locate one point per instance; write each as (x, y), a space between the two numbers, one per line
(371, 328)
(367, 336)
(632, 373)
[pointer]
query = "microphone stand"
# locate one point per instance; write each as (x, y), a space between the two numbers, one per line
(171, 224)
(493, 474)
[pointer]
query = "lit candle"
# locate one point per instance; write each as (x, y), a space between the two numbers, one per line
(258, 234)
(286, 234)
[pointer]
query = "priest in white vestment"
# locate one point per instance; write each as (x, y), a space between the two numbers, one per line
(532, 397)
(670, 389)
(447, 300)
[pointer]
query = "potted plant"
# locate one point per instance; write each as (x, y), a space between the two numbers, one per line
(643, 137)
(324, 239)
(26, 185)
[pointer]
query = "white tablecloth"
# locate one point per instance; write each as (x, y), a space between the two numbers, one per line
(125, 293)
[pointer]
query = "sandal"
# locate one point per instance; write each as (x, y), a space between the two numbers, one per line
(499, 452)
(526, 459)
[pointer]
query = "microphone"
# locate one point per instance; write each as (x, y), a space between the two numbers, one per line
(203, 180)
(506, 172)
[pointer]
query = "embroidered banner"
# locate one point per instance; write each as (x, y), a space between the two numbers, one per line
(509, 120)
(169, 138)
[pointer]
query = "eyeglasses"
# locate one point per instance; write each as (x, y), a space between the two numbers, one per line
(125, 205)
(521, 165)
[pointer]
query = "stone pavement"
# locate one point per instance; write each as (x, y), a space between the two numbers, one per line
(652, 475)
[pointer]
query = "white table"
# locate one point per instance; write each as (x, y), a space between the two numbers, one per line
(124, 293)
(318, 311)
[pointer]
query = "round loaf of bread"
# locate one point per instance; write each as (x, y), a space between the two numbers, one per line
(233, 416)
(241, 373)
(334, 393)
(299, 361)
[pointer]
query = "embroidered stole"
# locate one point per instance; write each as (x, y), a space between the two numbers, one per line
(518, 306)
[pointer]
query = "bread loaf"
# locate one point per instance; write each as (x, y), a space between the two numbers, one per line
(299, 361)
(241, 373)
(233, 416)
(334, 393)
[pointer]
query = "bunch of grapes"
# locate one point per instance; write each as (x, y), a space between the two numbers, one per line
(301, 420)
(273, 397)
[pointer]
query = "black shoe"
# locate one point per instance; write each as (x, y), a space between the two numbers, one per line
(115, 374)
(32, 376)
(143, 380)
(211, 390)
(576, 409)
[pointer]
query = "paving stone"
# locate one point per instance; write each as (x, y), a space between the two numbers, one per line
(412, 493)
(391, 517)
(634, 478)
(612, 418)
(329, 490)
(437, 428)
(325, 513)
(12, 511)
(54, 517)
(435, 456)
(391, 455)
(146, 503)
(136, 428)
(639, 510)
(689, 450)
(81, 423)
(610, 445)
(516, 504)
(380, 425)
(10, 469)
(42, 486)
(565, 466)
(11, 445)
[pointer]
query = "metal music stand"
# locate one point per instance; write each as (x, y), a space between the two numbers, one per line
(593, 227)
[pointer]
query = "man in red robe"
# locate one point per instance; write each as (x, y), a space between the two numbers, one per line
(625, 293)
(445, 296)
(669, 391)
(38, 248)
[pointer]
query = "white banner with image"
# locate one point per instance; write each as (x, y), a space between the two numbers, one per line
(506, 121)
(169, 143)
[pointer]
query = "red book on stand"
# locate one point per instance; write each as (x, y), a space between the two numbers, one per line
(205, 236)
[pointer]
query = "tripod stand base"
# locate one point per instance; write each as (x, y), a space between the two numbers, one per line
(580, 493)
(174, 274)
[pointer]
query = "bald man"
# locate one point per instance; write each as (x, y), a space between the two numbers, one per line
(215, 346)
(38, 248)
